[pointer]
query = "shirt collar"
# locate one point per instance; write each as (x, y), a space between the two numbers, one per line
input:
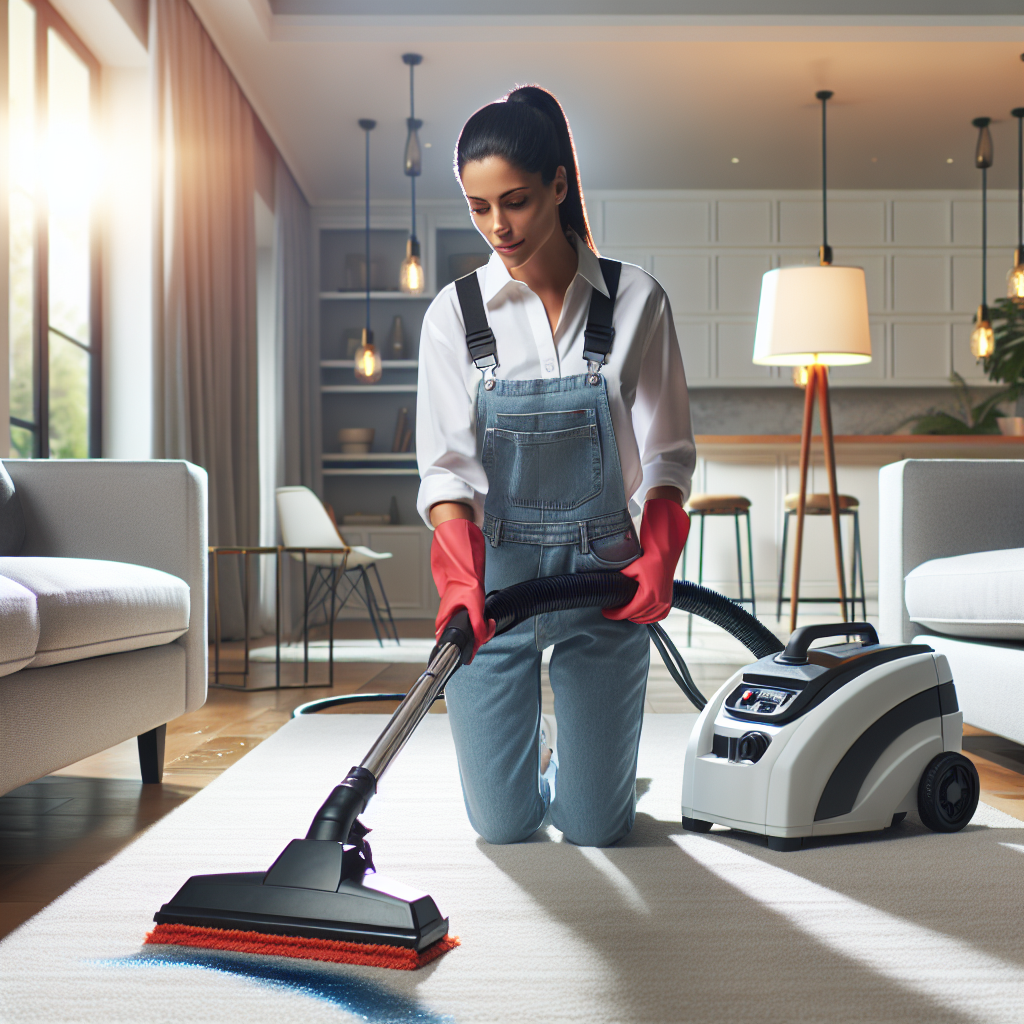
(496, 275)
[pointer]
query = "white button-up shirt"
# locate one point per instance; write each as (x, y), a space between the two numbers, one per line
(646, 383)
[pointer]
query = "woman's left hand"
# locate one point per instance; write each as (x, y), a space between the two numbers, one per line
(663, 532)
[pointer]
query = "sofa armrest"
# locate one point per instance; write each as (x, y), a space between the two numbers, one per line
(148, 513)
(934, 508)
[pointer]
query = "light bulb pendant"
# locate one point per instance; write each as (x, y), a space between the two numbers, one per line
(982, 339)
(368, 364)
(1015, 278)
(413, 150)
(411, 279)
(983, 150)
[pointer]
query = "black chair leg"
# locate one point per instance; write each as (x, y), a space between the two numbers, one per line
(739, 553)
(151, 754)
(387, 603)
(371, 604)
(860, 565)
(782, 566)
(750, 557)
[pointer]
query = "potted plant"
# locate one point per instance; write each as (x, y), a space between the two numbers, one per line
(1006, 363)
(1004, 366)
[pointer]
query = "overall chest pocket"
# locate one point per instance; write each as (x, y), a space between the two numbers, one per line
(546, 460)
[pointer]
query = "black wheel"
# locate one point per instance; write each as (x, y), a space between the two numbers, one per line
(696, 825)
(947, 795)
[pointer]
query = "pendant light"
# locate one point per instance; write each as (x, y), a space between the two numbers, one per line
(982, 339)
(410, 276)
(1015, 278)
(368, 367)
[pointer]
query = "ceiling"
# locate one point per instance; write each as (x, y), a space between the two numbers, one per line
(657, 100)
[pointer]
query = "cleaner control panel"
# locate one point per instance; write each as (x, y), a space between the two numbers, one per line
(760, 700)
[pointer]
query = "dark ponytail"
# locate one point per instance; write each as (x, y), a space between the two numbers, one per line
(529, 129)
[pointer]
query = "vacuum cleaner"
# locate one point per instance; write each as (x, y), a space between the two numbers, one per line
(839, 739)
(797, 730)
(323, 893)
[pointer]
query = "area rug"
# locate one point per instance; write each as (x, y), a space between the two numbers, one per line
(666, 927)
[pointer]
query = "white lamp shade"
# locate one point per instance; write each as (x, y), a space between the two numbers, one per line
(813, 315)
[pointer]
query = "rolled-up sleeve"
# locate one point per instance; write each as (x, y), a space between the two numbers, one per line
(445, 431)
(661, 411)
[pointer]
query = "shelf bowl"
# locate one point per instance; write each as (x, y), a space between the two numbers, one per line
(355, 440)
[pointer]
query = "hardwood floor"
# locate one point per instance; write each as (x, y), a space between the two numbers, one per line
(55, 831)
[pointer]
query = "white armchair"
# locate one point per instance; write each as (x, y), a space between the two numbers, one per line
(932, 513)
(149, 514)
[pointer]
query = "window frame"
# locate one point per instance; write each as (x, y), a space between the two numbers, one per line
(46, 18)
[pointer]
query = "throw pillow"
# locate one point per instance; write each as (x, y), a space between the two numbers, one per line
(12, 517)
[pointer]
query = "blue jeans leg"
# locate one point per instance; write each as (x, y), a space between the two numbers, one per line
(494, 712)
(599, 679)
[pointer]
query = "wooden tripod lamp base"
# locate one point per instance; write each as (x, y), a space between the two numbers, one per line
(817, 385)
(814, 317)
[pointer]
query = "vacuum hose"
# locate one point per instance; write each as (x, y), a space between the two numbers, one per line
(515, 604)
(337, 818)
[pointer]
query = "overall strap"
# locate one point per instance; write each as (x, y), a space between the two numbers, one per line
(599, 333)
(483, 349)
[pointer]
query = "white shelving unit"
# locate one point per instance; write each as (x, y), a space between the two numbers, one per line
(364, 389)
(367, 483)
(390, 296)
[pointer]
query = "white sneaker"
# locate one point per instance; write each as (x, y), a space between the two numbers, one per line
(548, 736)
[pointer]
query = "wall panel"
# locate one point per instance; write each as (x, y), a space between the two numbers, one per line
(686, 280)
(644, 222)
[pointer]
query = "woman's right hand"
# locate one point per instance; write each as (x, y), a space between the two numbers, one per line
(457, 557)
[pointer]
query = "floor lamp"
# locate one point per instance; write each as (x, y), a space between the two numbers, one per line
(814, 317)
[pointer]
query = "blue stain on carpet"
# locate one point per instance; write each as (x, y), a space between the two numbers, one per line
(373, 1003)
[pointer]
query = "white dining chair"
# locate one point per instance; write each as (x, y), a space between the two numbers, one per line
(307, 526)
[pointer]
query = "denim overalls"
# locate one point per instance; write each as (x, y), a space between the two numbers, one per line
(555, 504)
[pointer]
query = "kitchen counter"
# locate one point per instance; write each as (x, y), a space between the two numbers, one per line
(865, 449)
(765, 468)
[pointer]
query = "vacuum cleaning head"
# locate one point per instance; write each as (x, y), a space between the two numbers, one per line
(322, 896)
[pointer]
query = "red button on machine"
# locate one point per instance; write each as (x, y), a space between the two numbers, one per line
(747, 696)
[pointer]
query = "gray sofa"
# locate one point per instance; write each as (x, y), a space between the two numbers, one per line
(951, 573)
(94, 651)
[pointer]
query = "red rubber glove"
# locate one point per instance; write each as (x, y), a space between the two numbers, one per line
(663, 532)
(457, 557)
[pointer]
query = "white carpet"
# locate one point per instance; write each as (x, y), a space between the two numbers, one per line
(667, 927)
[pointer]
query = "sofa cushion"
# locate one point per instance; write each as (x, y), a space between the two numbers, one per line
(19, 626)
(89, 607)
(12, 516)
(980, 595)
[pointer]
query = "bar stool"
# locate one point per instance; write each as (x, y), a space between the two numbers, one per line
(735, 505)
(820, 505)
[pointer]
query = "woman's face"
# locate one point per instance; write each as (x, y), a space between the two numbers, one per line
(514, 210)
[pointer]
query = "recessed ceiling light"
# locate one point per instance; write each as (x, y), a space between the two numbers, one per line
(949, 159)
(427, 145)
(735, 159)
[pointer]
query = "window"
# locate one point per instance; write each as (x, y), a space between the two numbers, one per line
(54, 314)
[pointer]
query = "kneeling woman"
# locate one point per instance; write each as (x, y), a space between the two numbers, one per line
(551, 392)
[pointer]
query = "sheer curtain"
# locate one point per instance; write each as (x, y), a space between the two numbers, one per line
(289, 378)
(204, 296)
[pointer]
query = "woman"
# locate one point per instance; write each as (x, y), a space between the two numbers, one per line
(551, 391)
